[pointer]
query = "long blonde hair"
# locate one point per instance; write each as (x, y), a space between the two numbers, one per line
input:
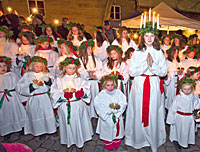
(30, 68)
(105, 82)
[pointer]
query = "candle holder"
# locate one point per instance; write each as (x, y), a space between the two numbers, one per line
(115, 73)
(69, 90)
(180, 69)
(114, 106)
(196, 113)
(38, 82)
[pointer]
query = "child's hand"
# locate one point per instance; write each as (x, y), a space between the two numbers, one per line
(35, 86)
(79, 94)
(68, 95)
(45, 78)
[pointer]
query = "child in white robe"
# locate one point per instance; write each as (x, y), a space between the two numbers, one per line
(180, 115)
(35, 85)
(12, 112)
(166, 43)
(110, 104)
(70, 94)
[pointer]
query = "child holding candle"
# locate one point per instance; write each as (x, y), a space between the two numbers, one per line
(44, 49)
(35, 85)
(12, 112)
(180, 115)
(124, 42)
(70, 94)
(145, 113)
(110, 104)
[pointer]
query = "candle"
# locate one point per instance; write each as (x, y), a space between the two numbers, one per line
(150, 15)
(153, 23)
(197, 65)
(158, 21)
(141, 21)
(40, 55)
(114, 69)
(70, 85)
(145, 16)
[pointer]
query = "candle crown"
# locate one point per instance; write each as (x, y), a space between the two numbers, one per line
(149, 29)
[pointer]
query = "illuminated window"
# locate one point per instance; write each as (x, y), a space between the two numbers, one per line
(115, 12)
(38, 4)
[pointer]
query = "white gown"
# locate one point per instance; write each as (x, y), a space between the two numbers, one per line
(165, 48)
(125, 45)
(28, 49)
(40, 115)
(80, 128)
(154, 135)
(76, 42)
(100, 52)
(182, 128)
(12, 112)
(106, 127)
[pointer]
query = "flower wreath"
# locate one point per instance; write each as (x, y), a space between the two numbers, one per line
(85, 44)
(191, 73)
(100, 30)
(149, 29)
(68, 61)
(27, 34)
(129, 50)
(5, 29)
(44, 26)
(167, 35)
(5, 59)
(108, 77)
(114, 47)
(37, 59)
(172, 48)
(28, 27)
(71, 24)
(185, 80)
(177, 36)
(191, 49)
(67, 43)
(123, 28)
(43, 38)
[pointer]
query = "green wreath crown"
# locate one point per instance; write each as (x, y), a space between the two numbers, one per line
(37, 59)
(44, 26)
(71, 24)
(167, 35)
(114, 47)
(187, 80)
(121, 29)
(5, 59)
(191, 49)
(27, 34)
(85, 44)
(69, 60)
(129, 50)
(100, 30)
(43, 38)
(177, 36)
(191, 73)
(5, 29)
(108, 77)
(26, 26)
(149, 29)
(172, 48)
(67, 43)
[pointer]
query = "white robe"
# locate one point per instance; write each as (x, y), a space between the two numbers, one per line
(165, 48)
(76, 42)
(12, 112)
(100, 52)
(40, 115)
(28, 49)
(125, 45)
(106, 128)
(136, 135)
(80, 128)
(182, 128)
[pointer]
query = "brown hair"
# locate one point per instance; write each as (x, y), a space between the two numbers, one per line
(64, 72)
(100, 38)
(119, 40)
(69, 53)
(110, 63)
(8, 66)
(155, 44)
(80, 35)
(104, 83)
(171, 55)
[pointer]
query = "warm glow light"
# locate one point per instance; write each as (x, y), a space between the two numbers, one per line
(9, 9)
(135, 36)
(29, 19)
(56, 21)
(34, 10)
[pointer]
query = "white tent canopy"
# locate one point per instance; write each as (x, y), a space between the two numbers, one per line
(169, 19)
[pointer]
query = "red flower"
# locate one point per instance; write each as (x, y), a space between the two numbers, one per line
(68, 95)
(79, 94)
(103, 31)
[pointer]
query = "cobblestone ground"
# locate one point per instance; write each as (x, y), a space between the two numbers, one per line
(52, 144)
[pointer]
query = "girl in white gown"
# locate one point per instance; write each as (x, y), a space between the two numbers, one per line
(166, 43)
(110, 104)
(35, 85)
(70, 94)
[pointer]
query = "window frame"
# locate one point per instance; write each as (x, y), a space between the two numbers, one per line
(29, 11)
(120, 12)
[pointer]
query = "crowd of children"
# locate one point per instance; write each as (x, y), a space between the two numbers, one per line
(48, 82)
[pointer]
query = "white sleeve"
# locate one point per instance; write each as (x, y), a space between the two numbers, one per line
(171, 117)
(122, 102)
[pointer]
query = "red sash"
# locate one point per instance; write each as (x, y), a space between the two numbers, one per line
(184, 114)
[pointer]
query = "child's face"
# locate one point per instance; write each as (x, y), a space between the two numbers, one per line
(74, 30)
(110, 86)
(176, 42)
(125, 34)
(196, 76)
(44, 45)
(49, 31)
(37, 67)
(70, 69)
(194, 41)
(25, 40)
(3, 68)
(167, 41)
(191, 55)
(89, 50)
(187, 89)
(130, 55)
(149, 38)
(114, 55)
(2, 34)
(63, 49)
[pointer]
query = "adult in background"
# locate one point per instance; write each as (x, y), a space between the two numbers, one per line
(62, 29)
(37, 22)
(110, 31)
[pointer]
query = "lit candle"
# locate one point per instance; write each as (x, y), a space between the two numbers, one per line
(153, 23)
(158, 21)
(20, 50)
(70, 85)
(40, 55)
(145, 16)
(141, 21)
(197, 65)
(150, 15)
(114, 69)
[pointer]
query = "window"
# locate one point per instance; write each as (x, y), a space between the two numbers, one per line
(115, 12)
(39, 4)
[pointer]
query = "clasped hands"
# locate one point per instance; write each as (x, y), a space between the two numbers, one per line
(149, 60)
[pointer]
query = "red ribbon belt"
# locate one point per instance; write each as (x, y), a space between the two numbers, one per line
(177, 89)
(184, 114)
(146, 99)
(161, 86)
(36, 94)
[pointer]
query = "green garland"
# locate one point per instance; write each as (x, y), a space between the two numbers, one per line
(26, 34)
(85, 44)
(67, 43)
(43, 38)
(5, 29)
(108, 77)
(44, 26)
(129, 50)
(114, 47)
(36, 59)
(100, 30)
(191, 73)
(68, 113)
(123, 28)
(5, 59)
(172, 48)
(167, 35)
(149, 29)
(190, 49)
(186, 80)
(177, 36)
(71, 24)
(68, 61)
(26, 26)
